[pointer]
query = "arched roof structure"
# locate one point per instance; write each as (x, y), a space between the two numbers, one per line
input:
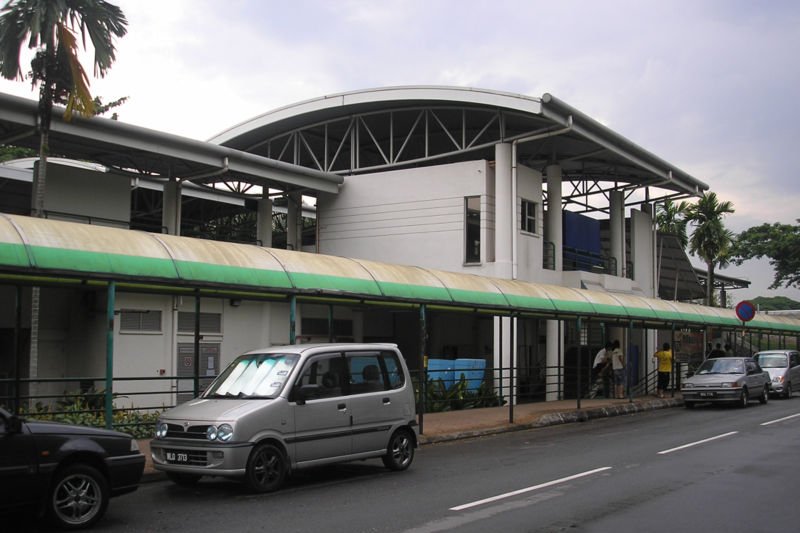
(399, 127)
(44, 252)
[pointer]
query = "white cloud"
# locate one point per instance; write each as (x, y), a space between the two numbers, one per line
(707, 85)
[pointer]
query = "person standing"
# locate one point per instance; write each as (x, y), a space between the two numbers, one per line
(601, 368)
(618, 365)
(664, 358)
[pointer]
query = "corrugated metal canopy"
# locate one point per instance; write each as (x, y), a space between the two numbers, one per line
(152, 153)
(53, 250)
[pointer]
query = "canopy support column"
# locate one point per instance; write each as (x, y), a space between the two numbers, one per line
(196, 343)
(109, 393)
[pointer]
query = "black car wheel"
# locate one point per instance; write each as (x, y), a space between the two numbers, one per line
(266, 468)
(788, 391)
(764, 398)
(400, 451)
(184, 480)
(743, 398)
(78, 498)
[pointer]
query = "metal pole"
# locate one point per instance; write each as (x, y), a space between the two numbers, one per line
(423, 362)
(330, 322)
(673, 375)
(511, 372)
(17, 357)
(292, 319)
(196, 343)
(627, 361)
(109, 404)
(560, 368)
(500, 356)
(579, 365)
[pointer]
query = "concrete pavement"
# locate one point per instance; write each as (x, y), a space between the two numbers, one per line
(469, 423)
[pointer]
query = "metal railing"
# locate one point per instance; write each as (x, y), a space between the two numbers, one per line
(137, 401)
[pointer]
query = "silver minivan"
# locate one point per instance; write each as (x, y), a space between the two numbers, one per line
(784, 370)
(283, 408)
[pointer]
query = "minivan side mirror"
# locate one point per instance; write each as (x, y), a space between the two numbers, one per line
(302, 393)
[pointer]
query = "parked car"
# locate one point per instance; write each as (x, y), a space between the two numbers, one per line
(283, 408)
(726, 379)
(66, 473)
(783, 367)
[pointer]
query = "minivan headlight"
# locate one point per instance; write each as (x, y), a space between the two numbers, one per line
(223, 433)
(161, 430)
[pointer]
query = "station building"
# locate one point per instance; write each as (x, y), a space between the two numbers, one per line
(459, 223)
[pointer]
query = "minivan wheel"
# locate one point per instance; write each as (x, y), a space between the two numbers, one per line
(78, 498)
(266, 468)
(743, 398)
(764, 398)
(788, 391)
(184, 480)
(400, 451)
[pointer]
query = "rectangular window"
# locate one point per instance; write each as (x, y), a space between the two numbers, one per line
(209, 322)
(472, 216)
(528, 216)
(144, 321)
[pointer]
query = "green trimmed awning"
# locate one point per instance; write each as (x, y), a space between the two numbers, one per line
(45, 251)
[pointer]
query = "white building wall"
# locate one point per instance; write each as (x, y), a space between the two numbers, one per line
(104, 197)
(642, 251)
(529, 245)
(409, 217)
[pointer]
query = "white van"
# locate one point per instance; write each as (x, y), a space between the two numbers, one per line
(283, 408)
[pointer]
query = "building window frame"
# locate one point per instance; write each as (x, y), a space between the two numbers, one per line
(527, 216)
(472, 230)
(140, 321)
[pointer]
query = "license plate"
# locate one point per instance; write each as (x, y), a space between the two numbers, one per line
(177, 457)
(707, 394)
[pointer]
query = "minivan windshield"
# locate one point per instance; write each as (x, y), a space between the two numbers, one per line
(253, 376)
(771, 360)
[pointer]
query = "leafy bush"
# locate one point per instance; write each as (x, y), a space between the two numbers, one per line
(89, 410)
(439, 397)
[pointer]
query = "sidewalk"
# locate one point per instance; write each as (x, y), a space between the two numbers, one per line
(453, 425)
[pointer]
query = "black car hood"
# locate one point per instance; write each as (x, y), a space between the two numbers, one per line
(40, 427)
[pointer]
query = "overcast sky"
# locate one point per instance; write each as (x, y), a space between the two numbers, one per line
(710, 86)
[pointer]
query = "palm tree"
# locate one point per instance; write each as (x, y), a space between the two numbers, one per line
(710, 241)
(50, 27)
(671, 218)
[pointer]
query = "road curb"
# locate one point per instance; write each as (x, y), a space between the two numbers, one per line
(553, 419)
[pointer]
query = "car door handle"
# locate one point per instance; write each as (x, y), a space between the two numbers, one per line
(342, 407)
(387, 401)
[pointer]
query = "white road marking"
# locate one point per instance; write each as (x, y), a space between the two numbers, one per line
(529, 489)
(698, 442)
(780, 419)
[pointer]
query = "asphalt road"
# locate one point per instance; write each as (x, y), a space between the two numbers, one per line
(708, 469)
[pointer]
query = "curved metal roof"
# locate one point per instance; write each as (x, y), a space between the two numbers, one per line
(43, 251)
(394, 127)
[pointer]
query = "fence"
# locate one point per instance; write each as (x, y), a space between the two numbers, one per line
(83, 400)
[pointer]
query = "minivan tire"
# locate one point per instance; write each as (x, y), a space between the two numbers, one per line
(266, 468)
(400, 451)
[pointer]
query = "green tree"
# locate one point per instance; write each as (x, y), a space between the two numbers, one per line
(671, 218)
(710, 240)
(780, 243)
(50, 27)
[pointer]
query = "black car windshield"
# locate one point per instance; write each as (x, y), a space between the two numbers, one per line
(721, 366)
(772, 361)
(253, 376)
